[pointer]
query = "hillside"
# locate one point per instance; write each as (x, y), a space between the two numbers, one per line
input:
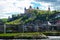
(35, 15)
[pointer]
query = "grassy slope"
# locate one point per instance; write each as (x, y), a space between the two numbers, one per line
(18, 21)
(28, 34)
(21, 34)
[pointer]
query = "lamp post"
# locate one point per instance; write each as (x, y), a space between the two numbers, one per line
(37, 28)
(23, 28)
(4, 28)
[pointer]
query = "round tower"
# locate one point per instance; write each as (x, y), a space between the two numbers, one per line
(37, 7)
(49, 8)
(30, 7)
(25, 9)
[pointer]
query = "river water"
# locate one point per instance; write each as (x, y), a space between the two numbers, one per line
(50, 38)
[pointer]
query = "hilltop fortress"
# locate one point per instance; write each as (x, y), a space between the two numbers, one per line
(30, 9)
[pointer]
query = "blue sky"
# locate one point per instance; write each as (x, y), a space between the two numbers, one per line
(9, 7)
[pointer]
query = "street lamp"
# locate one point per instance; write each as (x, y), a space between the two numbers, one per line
(4, 28)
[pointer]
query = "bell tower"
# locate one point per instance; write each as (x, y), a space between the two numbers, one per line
(37, 7)
(49, 8)
(25, 9)
(30, 7)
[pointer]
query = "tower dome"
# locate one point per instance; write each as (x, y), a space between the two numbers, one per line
(49, 8)
(30, 7)
(37, 7)
(25, 9)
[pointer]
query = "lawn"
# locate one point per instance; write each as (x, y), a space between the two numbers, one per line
(23, 35)
(28, 34)
(9, 34)
(20, 34)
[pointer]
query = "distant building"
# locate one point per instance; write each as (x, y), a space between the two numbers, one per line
(57, 15)
(30, 10)
(58, 22)
(49, 8)
(37, 7)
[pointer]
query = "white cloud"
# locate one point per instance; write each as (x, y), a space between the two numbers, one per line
(44, 6)
(9, 6)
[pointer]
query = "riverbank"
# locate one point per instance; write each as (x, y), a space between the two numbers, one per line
(29, 35)
(34, 35)
(51, 33)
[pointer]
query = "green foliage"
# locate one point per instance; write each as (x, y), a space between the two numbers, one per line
(21, 34)
(4, 20)
(36, 14)
(17, 21)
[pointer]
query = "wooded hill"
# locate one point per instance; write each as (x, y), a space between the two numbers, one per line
(42, 15)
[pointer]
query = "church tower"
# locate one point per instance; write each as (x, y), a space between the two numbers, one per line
(25, 9)
(49, 8)
(37, 7)
(30, 7)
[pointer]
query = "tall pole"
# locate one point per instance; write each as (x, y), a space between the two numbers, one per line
(23, 31)
(37, 28)
(4, 28)
(23, 28)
